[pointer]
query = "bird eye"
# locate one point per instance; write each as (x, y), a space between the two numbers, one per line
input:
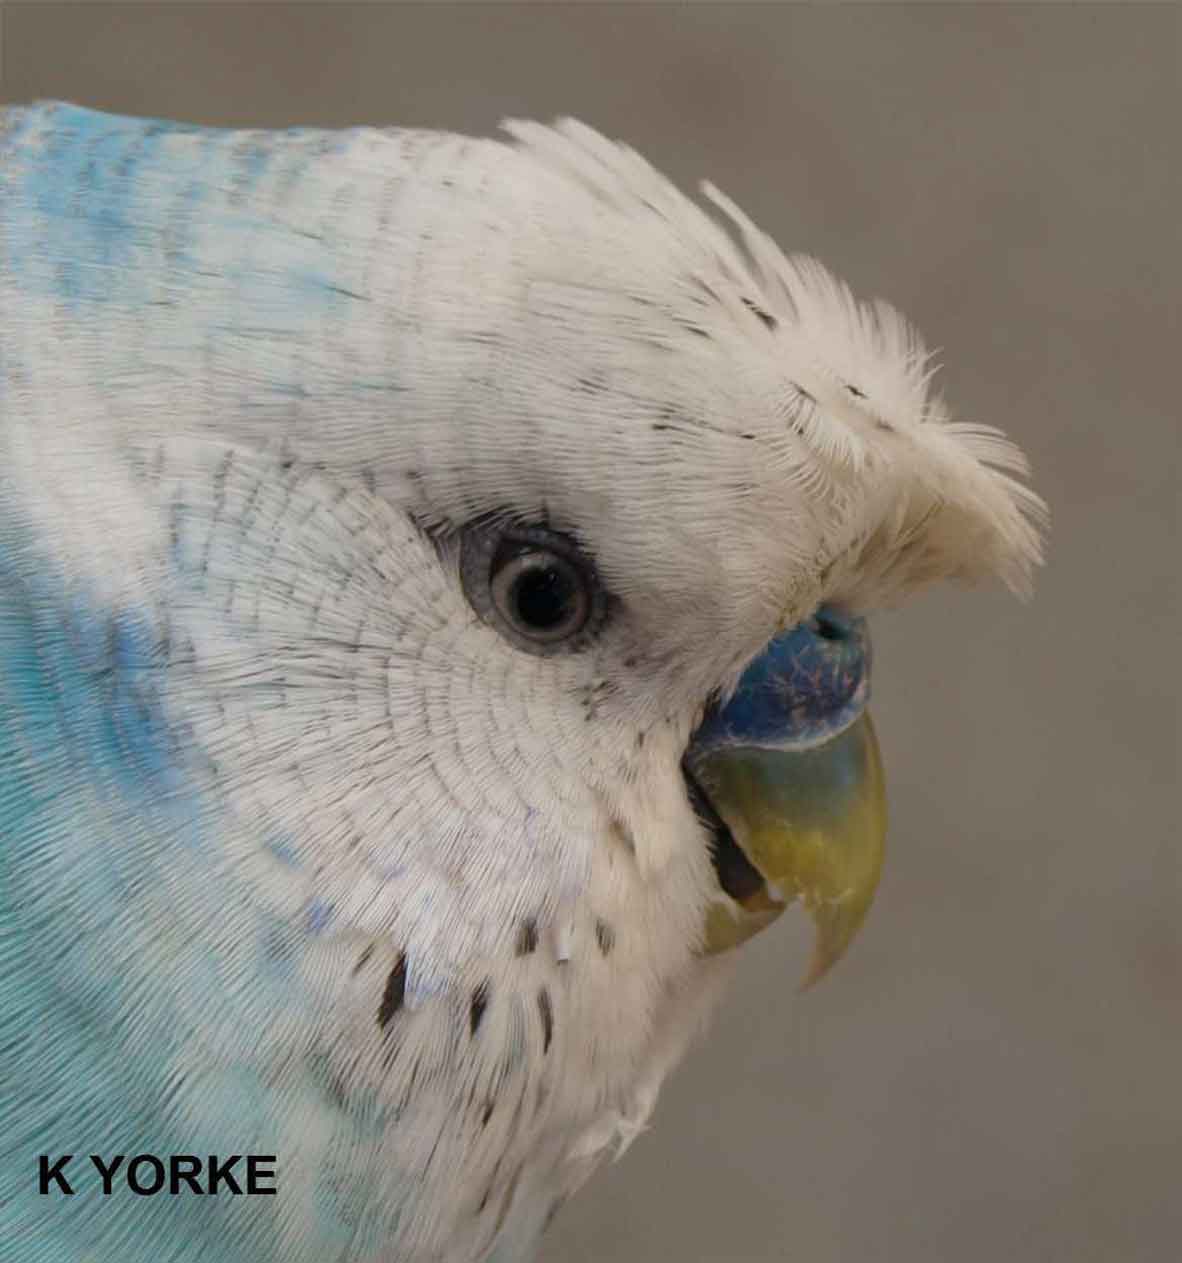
(540, 593)
(534, 585)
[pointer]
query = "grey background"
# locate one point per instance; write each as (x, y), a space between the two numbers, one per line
(995, 1072)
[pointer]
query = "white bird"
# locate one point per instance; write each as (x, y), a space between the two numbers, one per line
(432, 573)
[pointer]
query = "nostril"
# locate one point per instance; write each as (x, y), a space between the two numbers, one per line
(832, 624)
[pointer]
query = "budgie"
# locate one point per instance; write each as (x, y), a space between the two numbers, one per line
(433, 589)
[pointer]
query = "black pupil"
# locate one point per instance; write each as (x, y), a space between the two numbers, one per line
(543, 596)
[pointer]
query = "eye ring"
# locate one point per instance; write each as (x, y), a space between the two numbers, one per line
(534, 585)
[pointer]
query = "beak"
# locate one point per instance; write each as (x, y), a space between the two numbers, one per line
(789, 777)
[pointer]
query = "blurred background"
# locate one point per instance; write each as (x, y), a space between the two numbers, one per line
(995, 1071)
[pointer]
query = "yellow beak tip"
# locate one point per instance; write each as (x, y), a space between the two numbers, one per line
(813, 824)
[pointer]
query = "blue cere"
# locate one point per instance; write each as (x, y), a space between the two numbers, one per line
(809, 684)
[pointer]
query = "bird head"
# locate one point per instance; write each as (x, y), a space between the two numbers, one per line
(615, 483)
(665, 471)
